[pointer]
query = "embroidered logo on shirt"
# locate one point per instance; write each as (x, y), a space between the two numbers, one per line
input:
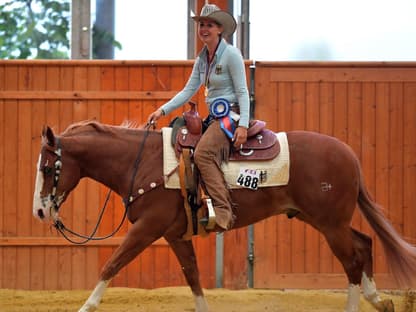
(218, 69)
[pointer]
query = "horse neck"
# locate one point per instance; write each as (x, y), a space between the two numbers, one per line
(110, 159)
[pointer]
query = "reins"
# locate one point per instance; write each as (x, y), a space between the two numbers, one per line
(61, 228)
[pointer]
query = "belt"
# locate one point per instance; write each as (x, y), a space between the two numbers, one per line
(221, 107)
(234, 113)
(235, 107)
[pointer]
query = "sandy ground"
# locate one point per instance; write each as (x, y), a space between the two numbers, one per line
(175, 299)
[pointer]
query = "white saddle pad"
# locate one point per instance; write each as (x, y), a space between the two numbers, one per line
(277, 170)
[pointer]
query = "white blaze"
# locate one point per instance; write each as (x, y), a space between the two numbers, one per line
(37, 202)
(43, 204)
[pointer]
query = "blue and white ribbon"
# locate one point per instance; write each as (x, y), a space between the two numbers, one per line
(221, 109)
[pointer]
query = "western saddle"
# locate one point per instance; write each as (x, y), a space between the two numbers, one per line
(261, 145)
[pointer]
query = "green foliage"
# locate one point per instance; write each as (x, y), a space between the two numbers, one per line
(100, 37)
(34, 29)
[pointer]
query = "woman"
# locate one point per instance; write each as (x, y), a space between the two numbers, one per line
(220, 69)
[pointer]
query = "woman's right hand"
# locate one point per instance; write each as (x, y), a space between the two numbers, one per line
(153, 117)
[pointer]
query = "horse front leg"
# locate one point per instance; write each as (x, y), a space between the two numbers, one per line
(95, 298)
(184, 251)
(137, 239)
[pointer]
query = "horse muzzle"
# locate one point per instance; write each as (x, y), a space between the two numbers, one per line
(46, 209)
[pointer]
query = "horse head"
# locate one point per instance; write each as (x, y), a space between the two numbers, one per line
(57, 174)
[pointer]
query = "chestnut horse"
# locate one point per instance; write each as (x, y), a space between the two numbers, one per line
(111, 155)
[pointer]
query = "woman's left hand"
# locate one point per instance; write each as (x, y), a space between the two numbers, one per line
(240, 137)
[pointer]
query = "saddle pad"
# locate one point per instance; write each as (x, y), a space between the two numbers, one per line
(277, 169)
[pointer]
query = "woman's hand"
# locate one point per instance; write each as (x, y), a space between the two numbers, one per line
(240, 137)
(153, 117)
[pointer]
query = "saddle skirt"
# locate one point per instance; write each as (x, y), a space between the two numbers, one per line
(275, 171)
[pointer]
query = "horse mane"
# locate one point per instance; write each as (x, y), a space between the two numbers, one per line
(83, 126)
(92, 125)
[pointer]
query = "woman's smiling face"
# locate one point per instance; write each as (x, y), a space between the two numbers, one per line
(208, 30)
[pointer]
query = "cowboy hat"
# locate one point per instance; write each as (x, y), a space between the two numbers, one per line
(213, 12)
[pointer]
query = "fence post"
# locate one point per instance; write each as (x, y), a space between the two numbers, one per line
(81, 29)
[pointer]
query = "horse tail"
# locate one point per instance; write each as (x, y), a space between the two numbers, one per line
(401, 256)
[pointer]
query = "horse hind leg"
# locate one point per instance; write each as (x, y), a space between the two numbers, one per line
(184, 251)
(349, 251)
(367, 281)
(354, 250)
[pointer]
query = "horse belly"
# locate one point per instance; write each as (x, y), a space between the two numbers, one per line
(253, 206)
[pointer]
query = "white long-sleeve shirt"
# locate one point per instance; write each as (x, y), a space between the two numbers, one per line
(226, 79)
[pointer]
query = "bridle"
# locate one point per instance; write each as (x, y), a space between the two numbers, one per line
(58, 224)
(58, 166)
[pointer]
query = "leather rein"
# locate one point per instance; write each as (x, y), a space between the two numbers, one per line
(58, 224)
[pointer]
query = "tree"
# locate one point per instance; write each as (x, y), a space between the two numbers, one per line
(103, 30)
(101, 40)
(34, 29)
(40, 29)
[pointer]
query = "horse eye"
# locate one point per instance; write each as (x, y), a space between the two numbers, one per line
(47, 170)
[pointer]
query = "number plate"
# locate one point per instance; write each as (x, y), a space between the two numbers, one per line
(248, 178)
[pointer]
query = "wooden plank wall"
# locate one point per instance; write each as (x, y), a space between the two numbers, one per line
(372, 107)
(58, 93)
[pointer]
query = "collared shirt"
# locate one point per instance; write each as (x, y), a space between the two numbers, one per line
(226, 79)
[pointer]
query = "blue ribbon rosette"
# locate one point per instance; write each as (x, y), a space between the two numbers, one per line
(220, 108)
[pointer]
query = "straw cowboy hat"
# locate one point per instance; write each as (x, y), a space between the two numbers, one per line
(213, 12)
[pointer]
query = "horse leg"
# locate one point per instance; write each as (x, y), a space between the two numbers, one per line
(343, 244)
(365, 245)
(95, 298)
(367, 281)
(137, 239)
(184, 251)
(354, 250)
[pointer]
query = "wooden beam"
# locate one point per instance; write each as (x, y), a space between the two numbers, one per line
(100, 63)
(343, 74)
(87, 95)
(61, 242)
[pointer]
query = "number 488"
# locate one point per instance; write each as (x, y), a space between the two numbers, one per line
(248, 181)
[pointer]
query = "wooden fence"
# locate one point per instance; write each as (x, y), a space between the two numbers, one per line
(58, 93)
(371, 106)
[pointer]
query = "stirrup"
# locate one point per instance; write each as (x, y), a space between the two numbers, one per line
(208, 222)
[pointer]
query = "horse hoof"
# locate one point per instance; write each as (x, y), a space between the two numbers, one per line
(385, 306)
(88, 308)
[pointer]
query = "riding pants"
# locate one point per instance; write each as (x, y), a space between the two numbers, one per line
(212, 149)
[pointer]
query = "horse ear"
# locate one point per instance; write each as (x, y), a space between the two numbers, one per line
(48, 135)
